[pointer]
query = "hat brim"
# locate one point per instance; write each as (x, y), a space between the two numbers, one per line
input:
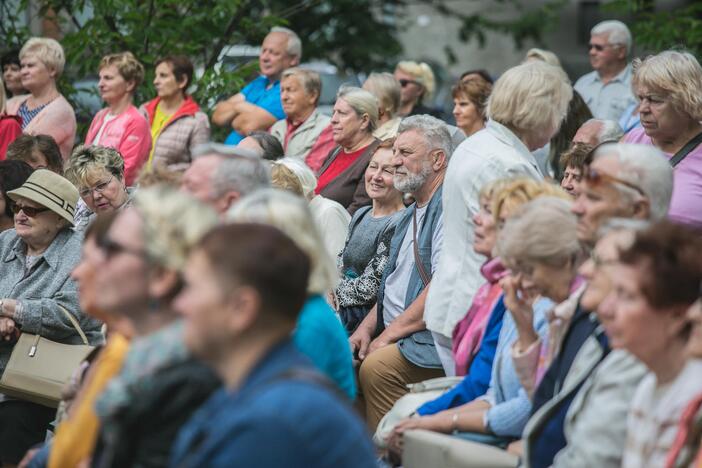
(36, 197)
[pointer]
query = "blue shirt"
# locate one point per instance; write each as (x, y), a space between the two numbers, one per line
(273, 421)
(321, 337)
(257, 93)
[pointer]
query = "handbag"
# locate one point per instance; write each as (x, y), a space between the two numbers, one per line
(39, 368)
(685, 150)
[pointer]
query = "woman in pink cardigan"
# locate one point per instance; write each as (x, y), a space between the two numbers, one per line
(44, 111)
(120, 125)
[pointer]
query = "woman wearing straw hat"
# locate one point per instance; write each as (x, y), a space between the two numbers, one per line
(37, 257)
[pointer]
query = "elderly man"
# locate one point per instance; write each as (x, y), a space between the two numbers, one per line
(244, 287)
(392, 342)
(299, 131)
(607, 89)
(221, 174)
(257, 106)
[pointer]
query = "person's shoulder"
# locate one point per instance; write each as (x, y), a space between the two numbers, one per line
(637, 135)
(586, 79)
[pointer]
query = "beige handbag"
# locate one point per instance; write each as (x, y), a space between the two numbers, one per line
(39, 368)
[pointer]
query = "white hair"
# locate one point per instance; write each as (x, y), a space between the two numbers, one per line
(617, 33)
(304, 174)
(646, 167)
(294, 48)
(435, 132)
(362, 102)
(240, 170)
(609, 131)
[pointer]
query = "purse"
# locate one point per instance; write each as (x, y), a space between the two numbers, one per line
(39, 368)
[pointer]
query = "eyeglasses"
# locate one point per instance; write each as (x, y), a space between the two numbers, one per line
(404, 82)
(112, 248)
(600, 47)
(594, 177)
(99, 188)
(27, 210)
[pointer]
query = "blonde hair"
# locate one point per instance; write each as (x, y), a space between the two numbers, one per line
(285, 179)
(362, 102)
(543, 55)
(127, 65)
(510, 194)
(307, 179)
(48, 51)
(90, 162)
(309, 80)
(677, 74)
(291, 215)
(159, 174)
(421, 72)
(531, 99)
(386, 89)
(173, 223)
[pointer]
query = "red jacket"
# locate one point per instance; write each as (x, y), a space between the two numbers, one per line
(10, 129)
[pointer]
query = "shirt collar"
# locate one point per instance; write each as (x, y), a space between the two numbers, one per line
(624, 76)
(506, 135)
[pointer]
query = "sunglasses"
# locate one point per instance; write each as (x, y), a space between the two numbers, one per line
(27, 210)
(99, 188)
(112, 248)
(600, 47)
(404, 82)
(594, 177)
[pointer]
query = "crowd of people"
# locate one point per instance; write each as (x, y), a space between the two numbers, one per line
(373, 288)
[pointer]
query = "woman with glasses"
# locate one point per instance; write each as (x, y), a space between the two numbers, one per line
(12, 175)
(668, 87)
(98, 172)
(37, 293)
(417, 86)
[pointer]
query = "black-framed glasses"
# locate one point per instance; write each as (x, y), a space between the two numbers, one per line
(404, 82)
(99, 188)
(112, 248)
(27, 210)
(594, 177)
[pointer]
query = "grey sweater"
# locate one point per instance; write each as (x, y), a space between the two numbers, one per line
(41, 290)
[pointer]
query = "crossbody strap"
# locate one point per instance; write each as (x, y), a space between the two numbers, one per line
(685, 150)
(75, 324)
(426, 277)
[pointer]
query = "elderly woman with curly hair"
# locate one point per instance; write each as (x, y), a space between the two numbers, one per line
(669, 89)
(44, 111)
(98, 172)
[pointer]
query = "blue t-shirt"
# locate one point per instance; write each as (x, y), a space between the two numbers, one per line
(321, 337)
(273, 421)
(268, 99)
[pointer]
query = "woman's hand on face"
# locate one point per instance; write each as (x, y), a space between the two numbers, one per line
(517, 302)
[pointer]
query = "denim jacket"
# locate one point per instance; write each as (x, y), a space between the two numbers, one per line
(418, 348)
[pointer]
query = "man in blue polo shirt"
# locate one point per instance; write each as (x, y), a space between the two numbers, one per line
(258, 105)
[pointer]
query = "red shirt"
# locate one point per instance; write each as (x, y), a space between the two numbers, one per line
(342, 161)
(10, 129)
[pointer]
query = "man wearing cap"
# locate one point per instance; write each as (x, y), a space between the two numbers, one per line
(36, 293)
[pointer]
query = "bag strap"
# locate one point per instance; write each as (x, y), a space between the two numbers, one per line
(75, 324)
(417, 260)
(685, 150)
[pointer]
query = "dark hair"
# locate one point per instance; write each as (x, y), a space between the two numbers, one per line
(12, 175)
(182, 68)
(272, 149)
(23, 147)
(578, 114)
(482, 73)
(100, 226)
(262, 257)
(578, 156)
(669, 255)
(11, 57)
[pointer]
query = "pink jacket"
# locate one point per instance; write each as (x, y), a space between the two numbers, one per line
(128, 133)
(57, 120)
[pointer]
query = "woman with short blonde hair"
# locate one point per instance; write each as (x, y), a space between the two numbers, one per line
(44, 111)
(387, 90)
(417, 84)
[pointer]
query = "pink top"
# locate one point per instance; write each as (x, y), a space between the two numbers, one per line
(128, 133)
(687, 182)
(469, 332)
(57, 120)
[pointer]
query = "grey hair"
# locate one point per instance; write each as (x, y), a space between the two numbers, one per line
(309, 80)
(617, 33)
(362, 102)
(543, 230)
(294, 47)
(622, 224)
(386, 89)
(610, 131)
(241, 169)
(647, 168)
(434, 131)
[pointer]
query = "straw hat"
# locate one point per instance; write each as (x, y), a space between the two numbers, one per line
(51, 191)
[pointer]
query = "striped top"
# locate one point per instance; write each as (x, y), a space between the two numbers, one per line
(27, 115)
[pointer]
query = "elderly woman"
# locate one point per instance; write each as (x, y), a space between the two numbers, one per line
(299, 93)
(12, 175)
(573, 162)
(353, 122)
(36, 292)
(39, 151)
(669, 89)
(365, 255)
(469, 102)
(10, 68)
(655, 282)
(159, 385)
(387, 91)
(319, 334)
(176, 121)
(44, 111)
(98, 172)
(10, 125)
(120, 125)
(417, 82)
